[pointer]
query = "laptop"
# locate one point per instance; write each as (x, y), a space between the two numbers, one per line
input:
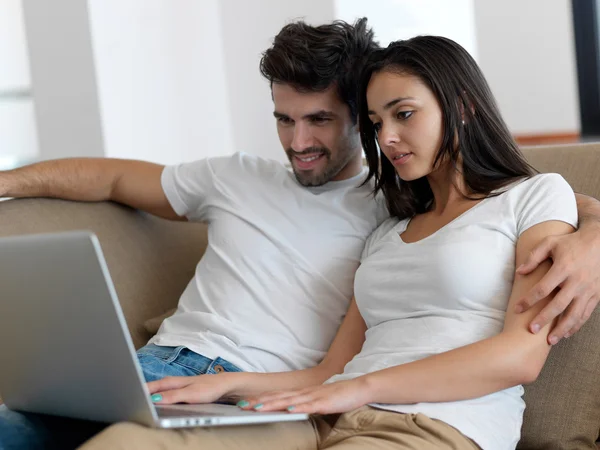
(65, 349)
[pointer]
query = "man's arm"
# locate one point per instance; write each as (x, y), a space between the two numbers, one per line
(575, 272)
(133, 183)
(589, 210)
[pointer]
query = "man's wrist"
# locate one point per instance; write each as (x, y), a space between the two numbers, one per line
(7, 180)
(3, 185)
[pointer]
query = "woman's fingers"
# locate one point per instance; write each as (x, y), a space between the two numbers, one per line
(169, 383)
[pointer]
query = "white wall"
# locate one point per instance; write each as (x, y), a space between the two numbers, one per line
(403, 19)
(14, 65)
(248, 29)
(171, 82)
(18, 136)
(526, 51)
(161, 80)
(63, 78)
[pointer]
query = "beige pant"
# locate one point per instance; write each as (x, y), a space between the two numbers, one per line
(363, 428)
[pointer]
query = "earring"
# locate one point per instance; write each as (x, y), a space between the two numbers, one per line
(463, 122)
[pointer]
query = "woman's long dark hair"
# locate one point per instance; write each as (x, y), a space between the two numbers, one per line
(490, 158)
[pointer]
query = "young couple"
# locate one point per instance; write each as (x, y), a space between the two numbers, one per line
(437, 331)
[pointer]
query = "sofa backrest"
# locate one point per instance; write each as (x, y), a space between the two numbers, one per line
(579, 164)
(150, 260)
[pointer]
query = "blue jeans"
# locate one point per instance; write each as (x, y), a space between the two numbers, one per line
(36, 431)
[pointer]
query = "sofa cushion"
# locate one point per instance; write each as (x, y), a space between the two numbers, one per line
(563, 405)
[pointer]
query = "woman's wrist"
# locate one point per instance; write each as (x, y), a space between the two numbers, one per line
(234, 383)
(369, 387)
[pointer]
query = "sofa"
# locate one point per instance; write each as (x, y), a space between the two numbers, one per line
(151, 260)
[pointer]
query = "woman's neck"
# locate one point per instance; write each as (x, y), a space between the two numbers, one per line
(448, 187)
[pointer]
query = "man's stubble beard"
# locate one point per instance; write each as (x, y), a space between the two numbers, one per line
(331, 170)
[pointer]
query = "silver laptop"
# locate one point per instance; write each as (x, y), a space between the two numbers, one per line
(64, 345)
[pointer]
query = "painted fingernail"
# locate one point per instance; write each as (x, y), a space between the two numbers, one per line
(259, 406)
(567, 335)
(291, 408)
(243, 403)
(535, 328)
(553, 340)
(520, 267)
(156, 398)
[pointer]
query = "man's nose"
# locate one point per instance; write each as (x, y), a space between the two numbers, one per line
(303, 138)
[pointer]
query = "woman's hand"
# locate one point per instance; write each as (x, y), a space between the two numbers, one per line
(339, 397)
(197, 389)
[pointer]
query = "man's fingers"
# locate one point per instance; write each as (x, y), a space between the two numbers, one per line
(540, 253)
(554, 308)
(542, 289)
(168, 383)
(571, 318)
(587, 313)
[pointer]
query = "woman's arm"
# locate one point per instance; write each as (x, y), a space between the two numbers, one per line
(206, 389)
(515, 356)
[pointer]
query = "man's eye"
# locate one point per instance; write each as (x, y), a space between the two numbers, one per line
(320, 119)
(403, 115)
(284, 120)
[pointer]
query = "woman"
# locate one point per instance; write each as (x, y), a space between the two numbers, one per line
(444, 352)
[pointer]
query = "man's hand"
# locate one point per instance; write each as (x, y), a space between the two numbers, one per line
(575, 272)
(197, 389)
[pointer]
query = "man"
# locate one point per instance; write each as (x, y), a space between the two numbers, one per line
(277, 276)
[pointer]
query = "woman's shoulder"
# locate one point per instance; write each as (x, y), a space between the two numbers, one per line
(540, 198)
(545, 182)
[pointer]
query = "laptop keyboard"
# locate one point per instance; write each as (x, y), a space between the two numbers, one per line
(175, 412)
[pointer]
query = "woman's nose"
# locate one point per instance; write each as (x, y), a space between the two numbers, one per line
(388, 136)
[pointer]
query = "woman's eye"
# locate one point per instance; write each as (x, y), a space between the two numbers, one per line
(377, 127)
(403, 115)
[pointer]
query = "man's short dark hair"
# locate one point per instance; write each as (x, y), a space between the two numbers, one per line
(311, 59)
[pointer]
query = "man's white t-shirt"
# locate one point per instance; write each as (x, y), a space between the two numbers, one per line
(277, 276)
(449, 290)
